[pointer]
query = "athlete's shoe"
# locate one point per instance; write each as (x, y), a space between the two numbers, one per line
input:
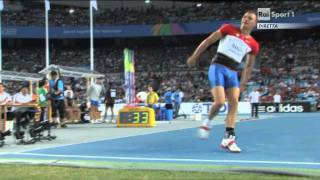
(230, 144)
(203, 132)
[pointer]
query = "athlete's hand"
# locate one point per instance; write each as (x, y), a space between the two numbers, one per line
(192, 61)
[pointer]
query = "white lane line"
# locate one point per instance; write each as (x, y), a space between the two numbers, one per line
(168, 159)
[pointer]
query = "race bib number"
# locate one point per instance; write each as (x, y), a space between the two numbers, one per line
(113, 93)
(233, 47)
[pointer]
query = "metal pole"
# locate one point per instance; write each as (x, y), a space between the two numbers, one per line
(47, 40)
(91, 38)
(0, 47)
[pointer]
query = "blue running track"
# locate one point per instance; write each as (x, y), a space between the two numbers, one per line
(285, 140)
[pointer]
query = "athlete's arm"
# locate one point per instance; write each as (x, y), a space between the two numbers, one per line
(246, 73)
(214, 37)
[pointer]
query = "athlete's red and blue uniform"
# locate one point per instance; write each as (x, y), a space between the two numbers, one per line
(233, 47)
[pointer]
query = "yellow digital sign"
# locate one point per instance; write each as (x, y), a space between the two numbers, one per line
(136, 117)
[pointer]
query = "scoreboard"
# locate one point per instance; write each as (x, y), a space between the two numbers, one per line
(136, 117)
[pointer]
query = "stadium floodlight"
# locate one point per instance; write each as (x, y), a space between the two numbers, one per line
(71, 10)
(147, 1)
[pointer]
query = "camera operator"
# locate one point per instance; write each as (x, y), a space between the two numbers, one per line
(56, 89)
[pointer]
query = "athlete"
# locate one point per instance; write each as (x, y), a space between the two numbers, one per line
(235, 45)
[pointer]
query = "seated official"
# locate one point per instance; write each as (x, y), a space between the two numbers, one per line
(68, 92)
(84, 113)
(5, 98)
(23, 114)
(73, 112)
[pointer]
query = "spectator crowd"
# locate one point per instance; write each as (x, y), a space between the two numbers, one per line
(290, 68)
(213, 11)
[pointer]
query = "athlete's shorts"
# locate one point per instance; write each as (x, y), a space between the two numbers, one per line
(94, 103)
(220, 75)
(111, 105)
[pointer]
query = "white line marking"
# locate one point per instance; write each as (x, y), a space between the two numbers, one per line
(169, 159)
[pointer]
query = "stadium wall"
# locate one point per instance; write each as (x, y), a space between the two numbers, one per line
(243, 108)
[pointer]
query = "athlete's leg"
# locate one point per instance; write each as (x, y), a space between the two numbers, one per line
(256, 108)
(218, 95)
(233, 93)
(91, 112)
(94, 113)
(112, 113)
(229, 138)
(217, 83)
(233, 97)
(219, 100)
(252, 110)
(97, 113)
(106, 112)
